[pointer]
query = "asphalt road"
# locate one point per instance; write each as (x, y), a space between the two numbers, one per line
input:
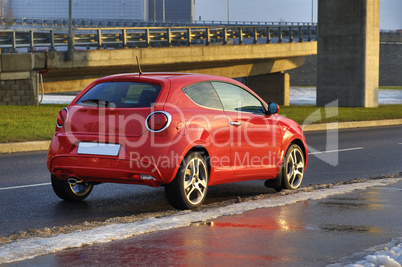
(28, 200)
(291, 235)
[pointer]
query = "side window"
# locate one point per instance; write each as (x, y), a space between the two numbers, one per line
(235, 98)
(204, 95)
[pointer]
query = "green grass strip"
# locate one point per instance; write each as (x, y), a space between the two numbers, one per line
(312, 114)
(30, 123)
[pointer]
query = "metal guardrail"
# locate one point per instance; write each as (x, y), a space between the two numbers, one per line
(60, 23)
(114, 38)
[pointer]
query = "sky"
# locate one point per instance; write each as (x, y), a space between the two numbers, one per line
(285, 10)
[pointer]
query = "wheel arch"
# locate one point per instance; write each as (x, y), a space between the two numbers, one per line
(203, 152)
(195, 148)
(301, 145)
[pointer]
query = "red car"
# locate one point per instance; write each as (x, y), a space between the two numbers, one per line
(181, 131)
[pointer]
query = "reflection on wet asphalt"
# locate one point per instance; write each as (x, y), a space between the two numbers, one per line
(308, 233)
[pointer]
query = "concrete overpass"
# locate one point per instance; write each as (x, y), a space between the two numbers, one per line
(263, 61)
(348, 55)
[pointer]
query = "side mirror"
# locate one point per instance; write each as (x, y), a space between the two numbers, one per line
(273, 108)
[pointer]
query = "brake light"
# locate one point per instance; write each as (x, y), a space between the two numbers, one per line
(62, 117)
(158, 121)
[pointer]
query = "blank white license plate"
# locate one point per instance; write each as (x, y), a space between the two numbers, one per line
(98, 149)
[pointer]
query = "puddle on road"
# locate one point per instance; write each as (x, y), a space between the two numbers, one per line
(351, 228)
(350, 205)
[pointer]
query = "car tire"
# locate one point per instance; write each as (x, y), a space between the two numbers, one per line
(293, 168)
(69, 192)
(189, 188)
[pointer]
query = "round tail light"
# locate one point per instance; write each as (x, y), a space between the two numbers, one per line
(62, 117)
(158, 121)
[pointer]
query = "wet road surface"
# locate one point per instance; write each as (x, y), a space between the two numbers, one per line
(309, 233)
(38, 207)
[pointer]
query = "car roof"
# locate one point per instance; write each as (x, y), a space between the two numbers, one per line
(160, 76)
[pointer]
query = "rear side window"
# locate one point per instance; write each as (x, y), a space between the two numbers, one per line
(121, 95)
(235, 98)
(204, 95)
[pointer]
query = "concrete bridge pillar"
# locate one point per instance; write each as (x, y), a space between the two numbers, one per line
(273, 87)
(19, 78)
(19, 88)
(348, 52)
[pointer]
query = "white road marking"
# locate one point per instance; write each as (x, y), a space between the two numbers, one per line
(23, 186)
(312, 153)
(333, 151)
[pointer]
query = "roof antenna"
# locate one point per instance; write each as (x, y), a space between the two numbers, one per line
(139, 66)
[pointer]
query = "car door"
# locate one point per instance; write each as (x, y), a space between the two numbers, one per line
(208, 124)
(255, 137)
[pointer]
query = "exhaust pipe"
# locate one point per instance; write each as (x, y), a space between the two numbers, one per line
(74, 181)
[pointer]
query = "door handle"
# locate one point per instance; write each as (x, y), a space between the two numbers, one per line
(235, 123)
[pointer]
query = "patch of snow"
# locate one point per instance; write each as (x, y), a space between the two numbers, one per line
(29, 248)
(307, 96)
(57, 99)
(388, 255)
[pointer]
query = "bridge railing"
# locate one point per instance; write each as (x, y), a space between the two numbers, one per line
(59, 23)
(133, 37)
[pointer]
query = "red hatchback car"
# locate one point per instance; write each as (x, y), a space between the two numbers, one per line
(181, 131)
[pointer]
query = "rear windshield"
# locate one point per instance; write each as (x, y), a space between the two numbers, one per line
(121, 95)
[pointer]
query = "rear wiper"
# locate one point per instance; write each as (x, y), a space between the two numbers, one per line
(98, 102)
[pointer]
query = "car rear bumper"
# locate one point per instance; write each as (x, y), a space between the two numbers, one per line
(105, 169)
(144, 164)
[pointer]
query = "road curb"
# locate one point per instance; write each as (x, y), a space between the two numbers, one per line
(24, 146)
(350, 125)
(44, 145)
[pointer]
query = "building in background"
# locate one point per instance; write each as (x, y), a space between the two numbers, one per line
(171, 10)
(143, 10)
(82, 9)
